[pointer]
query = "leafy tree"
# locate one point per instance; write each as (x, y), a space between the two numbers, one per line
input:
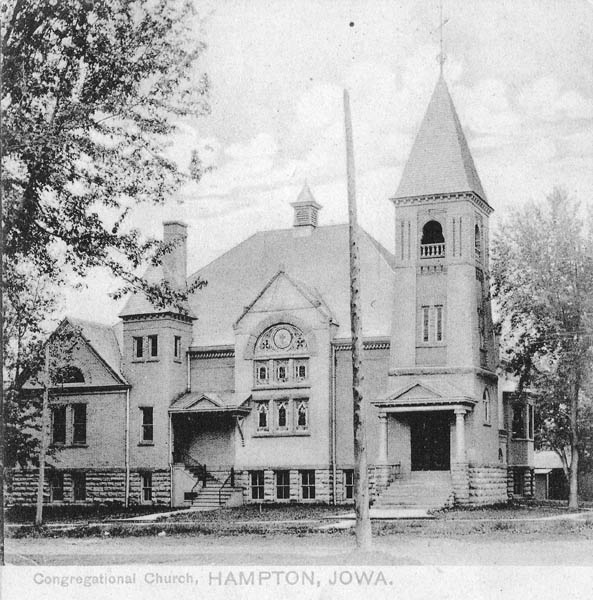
(92, 93)
(543, 282)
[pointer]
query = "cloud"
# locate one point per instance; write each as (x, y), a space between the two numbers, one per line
(543, 99)
(262, 145)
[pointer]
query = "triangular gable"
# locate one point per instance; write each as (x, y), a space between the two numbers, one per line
(203, 402)
(415, 390)
(87, 356)
(284, 293)
(88, 335)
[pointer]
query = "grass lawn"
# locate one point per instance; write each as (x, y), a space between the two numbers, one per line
(263, 512)
(72, 513)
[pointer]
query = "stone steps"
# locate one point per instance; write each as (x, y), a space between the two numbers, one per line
(423, 490)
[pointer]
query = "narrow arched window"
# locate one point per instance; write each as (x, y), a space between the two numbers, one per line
(432, 243)
(302, 415)
(487, 407)
(282, 416)
(478, 241)
(262, 411)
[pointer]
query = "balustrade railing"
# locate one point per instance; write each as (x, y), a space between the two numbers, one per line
(432, 250)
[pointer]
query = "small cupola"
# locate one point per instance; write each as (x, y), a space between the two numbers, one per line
(306, 210)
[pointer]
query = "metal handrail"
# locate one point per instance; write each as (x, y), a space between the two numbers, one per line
(231, 479)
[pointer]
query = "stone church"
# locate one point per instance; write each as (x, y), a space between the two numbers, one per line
(245, 395)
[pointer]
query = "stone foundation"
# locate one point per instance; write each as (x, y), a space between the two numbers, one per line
(520, 482)
(487, 484)
(161, 487)
(460, 481)
(102, 486)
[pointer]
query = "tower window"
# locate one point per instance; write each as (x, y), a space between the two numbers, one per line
(138, 344)
(147, 424)
(438, 316)
(177, 346)
(518, 430)
(425, 323)
(478, 241)
(431, 326)
(486, 402)
(153, 345)
(59, 425)
(432, 244)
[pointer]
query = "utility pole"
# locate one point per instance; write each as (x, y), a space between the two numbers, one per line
(43, 445)
(361, 476)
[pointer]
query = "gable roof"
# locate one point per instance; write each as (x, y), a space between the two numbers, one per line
(312, 297)
(319, 262)
(211, 402)
(440, 161)
(103, 341)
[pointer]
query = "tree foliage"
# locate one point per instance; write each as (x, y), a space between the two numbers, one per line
(543, 283)
(92, 95)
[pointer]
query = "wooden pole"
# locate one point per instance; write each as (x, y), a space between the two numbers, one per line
(361, 477)
(43, 445)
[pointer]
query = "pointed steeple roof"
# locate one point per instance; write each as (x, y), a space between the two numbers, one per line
(440, 161)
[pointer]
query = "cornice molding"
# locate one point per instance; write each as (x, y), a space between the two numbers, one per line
(472, 197)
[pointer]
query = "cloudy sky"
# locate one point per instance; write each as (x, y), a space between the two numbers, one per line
(520, 73)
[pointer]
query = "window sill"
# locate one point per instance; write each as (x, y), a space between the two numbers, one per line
(145, 443)
(146, 360)
(487, 424)
(431, 344)
(262, 434)
(281, 386)
(521, 439)
(177, 360)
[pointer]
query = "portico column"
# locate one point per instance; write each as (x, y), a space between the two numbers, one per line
(382, 454)
(460, 435)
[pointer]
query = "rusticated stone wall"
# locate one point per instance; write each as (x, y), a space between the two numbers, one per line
(102, 485)
(487, 484)
(161, 487)
(460, 481)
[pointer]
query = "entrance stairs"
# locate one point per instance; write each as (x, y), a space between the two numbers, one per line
(427, 490)
(213, 495)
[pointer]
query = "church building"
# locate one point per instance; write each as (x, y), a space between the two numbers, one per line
(245, 394)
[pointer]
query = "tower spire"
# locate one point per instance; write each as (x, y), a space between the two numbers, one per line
(441, 57)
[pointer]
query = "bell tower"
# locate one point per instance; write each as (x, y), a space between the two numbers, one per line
(442, 317)
(441, 407)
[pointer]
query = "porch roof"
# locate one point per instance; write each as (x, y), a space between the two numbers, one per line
(211, 402)
(422, 395)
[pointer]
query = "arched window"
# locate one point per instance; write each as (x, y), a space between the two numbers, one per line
(282, 418)
(432, 243)
(281, 357)
(262, 415)
(303, 414)
(280, 374)
(478, 241)
(69, 374)
(487, 407)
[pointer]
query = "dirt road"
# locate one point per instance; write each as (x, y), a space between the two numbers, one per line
(310, 550)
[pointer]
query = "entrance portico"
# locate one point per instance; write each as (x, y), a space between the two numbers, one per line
(424, 429)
